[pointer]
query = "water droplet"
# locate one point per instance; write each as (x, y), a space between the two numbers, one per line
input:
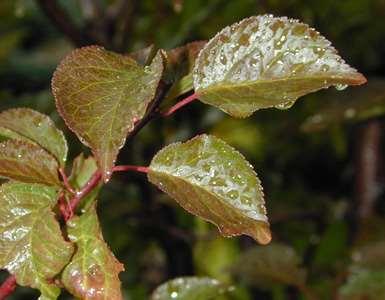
(349, 113)
(341, 87)
(223, 60)
(325, 68)
(285, 105)
(174, 295)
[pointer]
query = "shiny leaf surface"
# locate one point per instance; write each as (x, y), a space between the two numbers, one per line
(101, 95)
(37, 127)
(93, 271)
(190, 288)
(264, 62)
(31, 243)
(26, 162)
(211, 180)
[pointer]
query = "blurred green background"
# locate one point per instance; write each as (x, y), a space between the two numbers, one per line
(321, 162)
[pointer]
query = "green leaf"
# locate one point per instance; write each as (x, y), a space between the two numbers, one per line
(264, 62)
(31, 243)
(26, 162)
(101, 95)
(266, 266)
(6, 134)
(37, 127)
(364, 285)
(212, 180)
(190, 288)
(93, 271)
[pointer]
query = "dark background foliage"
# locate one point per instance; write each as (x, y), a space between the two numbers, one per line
(324, 190)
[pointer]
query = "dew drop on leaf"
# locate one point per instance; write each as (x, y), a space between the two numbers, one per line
(341, 87)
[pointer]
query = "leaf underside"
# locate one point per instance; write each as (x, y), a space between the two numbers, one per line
(31, 244)
(264, 62)
(211, 180)
(38, 128)
(190, 288)
(100, 95)
(27, 162)
(93, 271)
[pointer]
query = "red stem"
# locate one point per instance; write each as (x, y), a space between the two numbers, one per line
(180, 104)
(7, 287)
(131, 168)
(66, 182)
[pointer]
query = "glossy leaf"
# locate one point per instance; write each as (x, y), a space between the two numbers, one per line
(364, 285)
(93, 271)
(37, 127)
(101, 95)
(31, 244)
(210, 179)
(26, 162)
(190, 288)
(269, 265)
(264, 62)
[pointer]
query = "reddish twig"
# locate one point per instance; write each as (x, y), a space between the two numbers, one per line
(180, 104)
(7, 287)
(131, 168)
(66, 182)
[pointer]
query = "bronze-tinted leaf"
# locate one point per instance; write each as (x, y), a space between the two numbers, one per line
(190, 288)
(101, 95)
(93, 271)
(31, 243)
(210, 179)
(37, 127)
(26, 162)
(264, 62)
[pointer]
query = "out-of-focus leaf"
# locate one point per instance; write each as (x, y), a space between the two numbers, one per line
(264, 62)
(269, 265)
(212, 180)
(101, 95)
(353, 106)
(143, 56)
(93, 272)
(8, 42)
(37, 127)
(31, 243)
(364, 285)
(371, 256)
(180, 87)
(190, 288)
(26, 162)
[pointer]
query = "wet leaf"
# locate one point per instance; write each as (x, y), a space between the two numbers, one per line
(364, 285)
(26, 162)
(37, 127)
(266, 266)
(101, 95)
(190, 288)
(362, 103)
(211, 180)
(264, 62)
(31, 243)
(93, 271)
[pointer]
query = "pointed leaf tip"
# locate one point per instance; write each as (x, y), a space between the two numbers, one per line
(100, 95)
(211, 180)
(264, 62)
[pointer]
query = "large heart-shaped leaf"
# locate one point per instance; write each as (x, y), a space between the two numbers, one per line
(37, 127)
(93, 271)
(269, 265)
(264, 62)
(101, 95)
(31, 243)
(190, 288)
(210, 179)
(27, 162)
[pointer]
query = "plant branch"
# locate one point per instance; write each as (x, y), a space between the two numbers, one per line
(66, 182)
(125, 168)
(7, 287)
(179, 105)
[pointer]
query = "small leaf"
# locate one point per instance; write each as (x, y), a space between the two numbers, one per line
(101, 95)
(31, 243)
(26, 162)
(368, 285)
(266, 266)
(93, 271)
(210, 179)
(264, 62)
(190, 288)
(37, 127)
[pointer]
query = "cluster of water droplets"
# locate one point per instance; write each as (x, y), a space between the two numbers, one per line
(265, 47)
